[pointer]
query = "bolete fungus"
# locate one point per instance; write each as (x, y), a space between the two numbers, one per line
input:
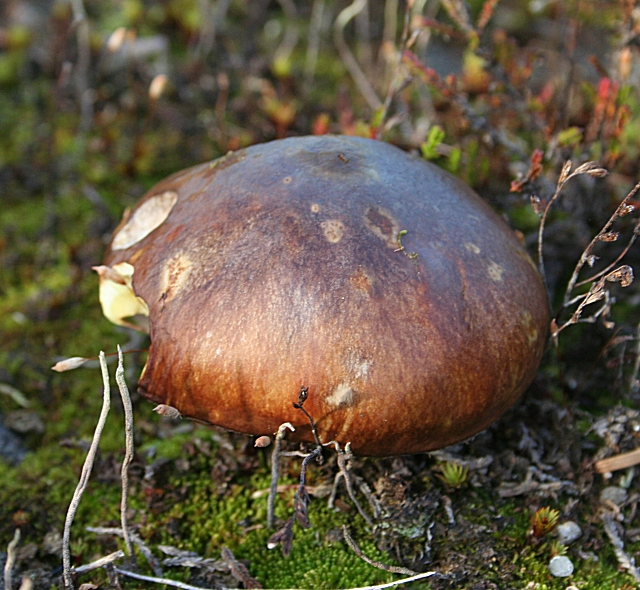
(343, 265)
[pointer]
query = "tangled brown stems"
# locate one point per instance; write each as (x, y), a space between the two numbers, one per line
(598, 290)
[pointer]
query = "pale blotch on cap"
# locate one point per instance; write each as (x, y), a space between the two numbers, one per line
(149, 216)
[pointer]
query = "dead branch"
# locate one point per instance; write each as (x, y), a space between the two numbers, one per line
(137, 541)
(398, 582)
(565, 176)
(86, 473)
(98, 563)
(238, 570)
(398, 79)
(485, 14)
(275, 472)
(617, 462)
(284, 535)
(313, 40)
(82, 68)
(166, 581)
(598, 290)
(128, 457)
(343, 19)
(344, 458)
(381, 566)
(621, 210)
(633, 381)
(529, 485)
(290, 39)
(626, 562)
(11, 559)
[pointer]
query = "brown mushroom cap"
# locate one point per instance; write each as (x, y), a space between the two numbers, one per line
(279, 266)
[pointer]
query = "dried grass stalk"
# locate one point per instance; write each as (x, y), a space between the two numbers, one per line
(128, 457)
(617, 462)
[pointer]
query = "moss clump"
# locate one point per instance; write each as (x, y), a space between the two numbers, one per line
(207, 521)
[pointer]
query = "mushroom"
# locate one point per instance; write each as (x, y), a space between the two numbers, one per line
(379, 284)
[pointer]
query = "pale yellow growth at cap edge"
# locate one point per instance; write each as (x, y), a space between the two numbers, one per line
(117, 297)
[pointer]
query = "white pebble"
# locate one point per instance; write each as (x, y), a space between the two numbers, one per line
(614, 494)
(560, 566)
(568, 532)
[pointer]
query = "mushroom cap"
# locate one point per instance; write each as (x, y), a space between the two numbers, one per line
(285, 265)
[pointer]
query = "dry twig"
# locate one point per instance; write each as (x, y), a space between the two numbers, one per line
(128, 457)
(343, 19)
(565, 176)
(11, 559)
(86, 472)
(290, 39)
(603, 235)
(166, 581)
(459, 14)
(137, 541)
(381, 566)
(313, 40)
(344, 458)
(238, 570)
(82, 68)
(397, 582)
(633, 381)
(284, 535)
(98, 563)
(77, 361)
(617, 462)
(598, 290)
(181, 558)
(275, 472)
(628, 563)
(485, 14)
(529, 485)
(398, 80)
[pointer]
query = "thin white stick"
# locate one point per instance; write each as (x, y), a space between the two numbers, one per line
(11, 558)
(343, 464)
(185, 586)
(397, 79)
(291, 33)
(86, 473)
(128, 456)
(275, 472)
(381, 566)
(633, 382)
(397, 582)
(98, 563)
(82, 67)
(313, 40)
(350, 62)
(136, 540)
(165, 581)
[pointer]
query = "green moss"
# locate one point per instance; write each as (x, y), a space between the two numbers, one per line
(530, 559)
(524, 218)
(209, 521)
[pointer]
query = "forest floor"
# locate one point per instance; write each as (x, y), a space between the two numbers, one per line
(99, 101)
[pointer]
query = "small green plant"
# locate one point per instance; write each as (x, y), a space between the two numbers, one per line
(453, 474)
(544, 521)
(429, 148)
(401, 248)
(557, 548)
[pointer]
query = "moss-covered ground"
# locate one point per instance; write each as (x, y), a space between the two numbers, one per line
(557, 76)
